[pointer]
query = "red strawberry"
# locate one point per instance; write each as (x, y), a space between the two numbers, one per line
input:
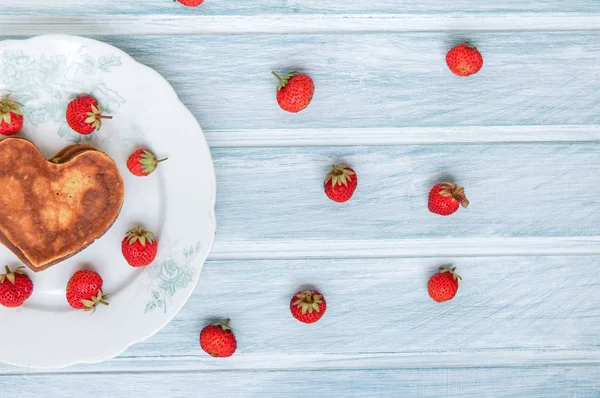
(294, 92)
(139, 247)
(464, 60)
(142, 162)
(191, 3)
(218, 340)
(15, 287)
(11, 117)
(84, 115)
(340, 183)
(308, 306)
(443, 285)
(84, 291)
(445, 198)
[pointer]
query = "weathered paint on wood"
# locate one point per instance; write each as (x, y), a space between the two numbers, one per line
(522, 136)
(535, 382)
(381, 305)
(291, 7)
(517, 190)
(392, 80)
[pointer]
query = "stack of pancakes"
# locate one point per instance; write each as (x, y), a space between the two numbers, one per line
(53, 209)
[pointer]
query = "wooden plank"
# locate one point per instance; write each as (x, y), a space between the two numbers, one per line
(380, 306)
(402, 135)
(404, 82)
(418, 247)
(315, 361)
(295, 7)
(226, 81)
(542, 382)
(516, 190)
(191, 23)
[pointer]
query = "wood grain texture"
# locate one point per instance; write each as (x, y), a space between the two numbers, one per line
(536, 382)
(193, 23)
(381, 306)
(292, 7)
(522, 135)
(402, 135)
(415, 247)
(516, 190)
(511, 317)
(404, 81)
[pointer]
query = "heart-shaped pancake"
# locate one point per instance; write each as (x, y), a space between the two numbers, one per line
(51, 210)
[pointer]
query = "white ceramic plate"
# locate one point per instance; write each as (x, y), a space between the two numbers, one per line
(176, 202)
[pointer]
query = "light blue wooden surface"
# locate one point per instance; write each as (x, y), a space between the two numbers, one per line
(522, 136)
(297, 7)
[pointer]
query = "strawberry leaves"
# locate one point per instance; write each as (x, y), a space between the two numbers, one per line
(148, 161)
(95, 117)
(139, 234)
(10, 275)
(98, 299)
(308, 301)
(8, 107)
(339, 175)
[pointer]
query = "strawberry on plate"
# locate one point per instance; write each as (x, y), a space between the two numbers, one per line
(443, 285)
(139, 247)
(84, 115)
(142, 162)
(11, 117)
(84, 291)
(445, 198)
(295, 91)
(464, 60)
(15, 287)
(308, 306)
(340, 183)
(217, 340)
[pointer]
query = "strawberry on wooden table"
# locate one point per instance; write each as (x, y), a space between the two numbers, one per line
(218, 340)
(443, 285)
(84, 291)
(11, 117)
(445, 198)
(139, 247)
(84, 115)
(340, 183)
(294, 92)
(308, 306)
(190, 3)
(464, 60)
(15, 287)
(142, 162)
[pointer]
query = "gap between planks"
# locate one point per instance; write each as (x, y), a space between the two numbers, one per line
(448, 247)
(485, 358)
(402, 135)
(295, 24)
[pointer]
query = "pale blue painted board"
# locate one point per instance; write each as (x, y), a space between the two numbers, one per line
(380, 80)
(510, 304)
(515, 190)
(538, 382)
(385, 80)
(294, 7)
(382, 305)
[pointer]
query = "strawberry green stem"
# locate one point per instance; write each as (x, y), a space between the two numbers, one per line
(7, 269)
(104, 117)
(227, 322)
(283, 82)
(161, 160)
